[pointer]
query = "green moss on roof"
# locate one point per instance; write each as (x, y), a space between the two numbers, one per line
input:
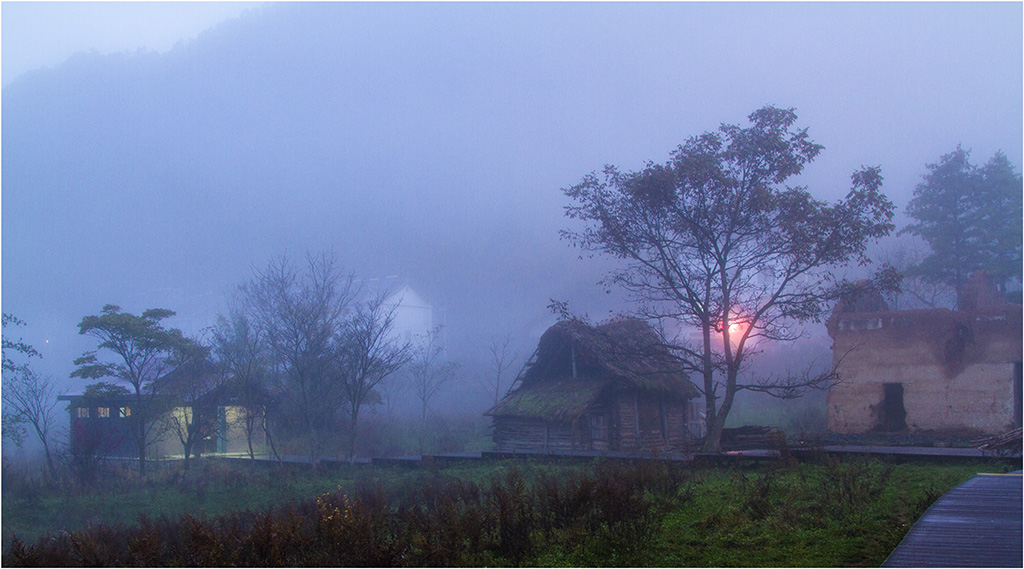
(562, 401)
(576, 363)
(627, 350)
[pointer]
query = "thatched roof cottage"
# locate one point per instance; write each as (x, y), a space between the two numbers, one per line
(608, 387)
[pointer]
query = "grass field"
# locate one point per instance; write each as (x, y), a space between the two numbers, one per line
(828, 512)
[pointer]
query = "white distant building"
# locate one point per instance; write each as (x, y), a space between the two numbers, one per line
(413, 315)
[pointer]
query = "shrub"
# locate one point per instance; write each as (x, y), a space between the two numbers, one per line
(442, 522)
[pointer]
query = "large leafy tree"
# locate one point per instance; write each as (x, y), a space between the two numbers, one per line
(139, 350)
(970, 218)
(1002, 215)
(715, 241)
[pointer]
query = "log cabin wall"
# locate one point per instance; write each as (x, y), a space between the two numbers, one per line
(647, 422)
(625, 422)
(596, 428)
(678, 433)
(515, 433)
(560, 437)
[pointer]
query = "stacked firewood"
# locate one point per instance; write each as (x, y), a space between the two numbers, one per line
(749, 437)
(1010, 441)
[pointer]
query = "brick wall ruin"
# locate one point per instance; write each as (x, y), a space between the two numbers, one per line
(926, 370)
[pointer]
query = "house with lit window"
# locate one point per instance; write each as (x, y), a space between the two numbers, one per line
(102, 423)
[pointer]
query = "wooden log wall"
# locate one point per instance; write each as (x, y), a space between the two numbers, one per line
(633, 423)
(648, 423)
(512, 433)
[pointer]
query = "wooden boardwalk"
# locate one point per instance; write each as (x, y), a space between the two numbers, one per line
(901, 453)
(980, 523)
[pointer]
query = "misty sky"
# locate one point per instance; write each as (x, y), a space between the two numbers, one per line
(153, 153)
(44, 34)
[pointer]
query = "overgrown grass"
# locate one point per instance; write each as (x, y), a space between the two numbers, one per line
(830, 512)
(34, 507)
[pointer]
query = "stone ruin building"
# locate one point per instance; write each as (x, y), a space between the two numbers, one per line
(927, 370)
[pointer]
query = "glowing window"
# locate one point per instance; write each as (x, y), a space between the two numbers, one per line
(103, 412)
(124, 412)
(83, 412)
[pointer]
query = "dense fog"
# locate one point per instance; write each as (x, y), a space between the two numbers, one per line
(430, 142)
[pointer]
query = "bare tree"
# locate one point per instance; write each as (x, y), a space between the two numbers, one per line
(192, 388)
(428, 373)
(369, 355)
(714, 242)
(238, 344)
(391, 390)
(31, 399)
(13, 422)
(10, 347)
(502, 360)
(904, 252)
(304, 315)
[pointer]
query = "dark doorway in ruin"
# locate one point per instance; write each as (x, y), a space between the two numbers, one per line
(894, 415)
(1017, 403)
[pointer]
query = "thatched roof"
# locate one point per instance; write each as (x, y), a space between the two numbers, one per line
(561, 401)
(575, 363)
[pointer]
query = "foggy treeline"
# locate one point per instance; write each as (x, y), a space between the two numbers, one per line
(430, 142)
(308, 355)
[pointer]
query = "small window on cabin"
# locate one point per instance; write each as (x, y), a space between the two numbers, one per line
(83, 412)
(124, 412)
(103, 412)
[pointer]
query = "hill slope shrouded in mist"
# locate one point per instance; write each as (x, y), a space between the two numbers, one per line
(430, 141)
(282, 132)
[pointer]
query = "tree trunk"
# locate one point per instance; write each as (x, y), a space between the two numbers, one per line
(142, 459)
(188, 451)
(49, 460)
(270, 439)
(250, 430)
(139, 429)
(248, 440)
(314, 442)
(711, 439)
(353, 423)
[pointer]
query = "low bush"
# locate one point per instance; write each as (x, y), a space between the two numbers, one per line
(447, 523)
(786, 513)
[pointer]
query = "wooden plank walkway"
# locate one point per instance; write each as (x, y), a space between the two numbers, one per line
(724, 457)
(980, 523)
